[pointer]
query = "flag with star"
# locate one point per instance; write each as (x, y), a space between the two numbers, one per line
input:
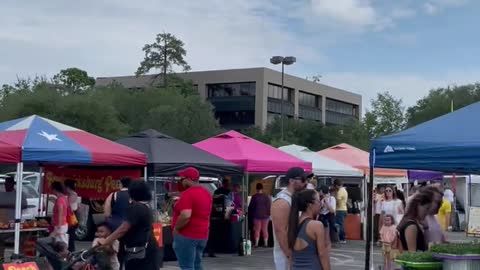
(35, 139)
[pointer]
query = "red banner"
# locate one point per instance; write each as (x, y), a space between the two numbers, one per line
(94, 184)
(20, 266)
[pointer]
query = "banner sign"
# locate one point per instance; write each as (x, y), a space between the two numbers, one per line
(90, 183)
(20, 266)
(158, 233)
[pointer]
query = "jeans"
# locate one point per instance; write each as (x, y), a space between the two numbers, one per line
(189, 252)
(340, 220)
(328, 221)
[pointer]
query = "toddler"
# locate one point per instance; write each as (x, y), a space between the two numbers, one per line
(388, 233)
(103, 231)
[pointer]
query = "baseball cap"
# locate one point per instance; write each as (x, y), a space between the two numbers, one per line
(190, 173)
(296, 172)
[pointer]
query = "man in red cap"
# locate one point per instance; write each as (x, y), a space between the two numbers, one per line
(191, 220)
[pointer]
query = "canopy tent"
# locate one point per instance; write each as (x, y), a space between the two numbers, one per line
(359, 159)
(38, 140)
(321, 165)
(424, 176)
(449, 143)
(35, 139)
(167, 155)
(252, 155)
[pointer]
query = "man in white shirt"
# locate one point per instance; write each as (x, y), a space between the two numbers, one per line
(327, 212)
(280, 212)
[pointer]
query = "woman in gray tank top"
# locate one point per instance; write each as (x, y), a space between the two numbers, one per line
(306, 236)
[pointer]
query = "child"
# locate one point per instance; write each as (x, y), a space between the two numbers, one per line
(103, 231)
(62, 249)
(388, 233)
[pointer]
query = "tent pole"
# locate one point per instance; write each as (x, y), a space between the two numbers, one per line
(244, 205)
(40, 191)
(18, 207)
(154, 188)
(368, 244)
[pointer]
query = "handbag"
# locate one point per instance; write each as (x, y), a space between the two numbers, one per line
(72, 220)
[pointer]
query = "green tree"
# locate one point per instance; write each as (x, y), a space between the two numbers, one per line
(166, 52)
(387, 115)
(73, 81)
(438, 102)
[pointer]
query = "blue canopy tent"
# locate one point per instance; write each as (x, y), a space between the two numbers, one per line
(449, 143)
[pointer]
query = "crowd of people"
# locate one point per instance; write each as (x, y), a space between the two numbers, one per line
(306, 220)
(126, 235)
(413, 225)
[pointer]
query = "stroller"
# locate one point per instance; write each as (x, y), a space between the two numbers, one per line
(90, 259)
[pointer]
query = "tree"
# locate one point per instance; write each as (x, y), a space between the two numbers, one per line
(310, 134)
(73, 81)
(166, 52)
(114, 111)
(438, 102)
(386, 115)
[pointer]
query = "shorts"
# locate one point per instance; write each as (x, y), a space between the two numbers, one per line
(389, 252)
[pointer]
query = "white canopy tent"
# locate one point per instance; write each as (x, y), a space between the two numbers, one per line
(321, 166)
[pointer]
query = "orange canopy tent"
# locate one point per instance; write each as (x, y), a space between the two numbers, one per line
(359, 159)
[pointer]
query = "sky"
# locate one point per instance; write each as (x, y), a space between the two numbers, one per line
(406, 47)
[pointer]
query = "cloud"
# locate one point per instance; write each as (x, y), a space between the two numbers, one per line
(408, 87)
(352, 13)
(430, 8)
(106, 37)
(433, 7)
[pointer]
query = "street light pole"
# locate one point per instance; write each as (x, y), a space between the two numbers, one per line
(287, 60)
(283, 100)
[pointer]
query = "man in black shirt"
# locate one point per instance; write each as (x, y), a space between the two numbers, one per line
(224, 189)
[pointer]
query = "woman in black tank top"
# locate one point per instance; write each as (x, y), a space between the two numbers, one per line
(410, 228)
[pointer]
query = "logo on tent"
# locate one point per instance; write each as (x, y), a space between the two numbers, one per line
(49, 137)
(388, 149)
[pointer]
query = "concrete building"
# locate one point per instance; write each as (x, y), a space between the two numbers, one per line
(253, 96)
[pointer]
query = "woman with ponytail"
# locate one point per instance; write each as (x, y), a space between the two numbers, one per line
(306, 236)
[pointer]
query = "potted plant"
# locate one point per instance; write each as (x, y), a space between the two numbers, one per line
(418, 260)
(465, 256)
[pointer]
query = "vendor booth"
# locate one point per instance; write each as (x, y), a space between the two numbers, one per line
(166, 157)
(257, 159)
(40, 141)
(448, 143)
(359, 159)
(322, 166)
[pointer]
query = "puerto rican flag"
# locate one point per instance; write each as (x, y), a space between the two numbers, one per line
(35, 139)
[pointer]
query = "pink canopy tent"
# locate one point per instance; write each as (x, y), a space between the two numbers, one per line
(254, 156)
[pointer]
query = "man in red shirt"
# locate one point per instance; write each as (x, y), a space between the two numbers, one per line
(191, 220)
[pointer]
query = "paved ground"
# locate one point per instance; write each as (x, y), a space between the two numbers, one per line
(343, 257)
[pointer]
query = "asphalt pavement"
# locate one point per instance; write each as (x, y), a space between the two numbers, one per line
(348, 256)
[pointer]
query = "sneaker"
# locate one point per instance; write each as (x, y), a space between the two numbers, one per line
(342, 242)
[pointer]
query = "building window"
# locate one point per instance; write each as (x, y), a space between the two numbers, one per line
(307, 99)
(341, 107)
(271, 117)
(236, 118)
(231, 89)
(275, 91)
